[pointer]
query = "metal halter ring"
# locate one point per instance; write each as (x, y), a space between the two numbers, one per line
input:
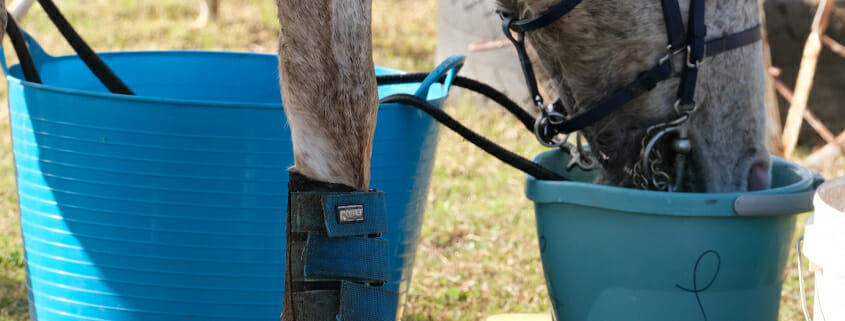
(670, 54)
(541, 128)
(685, 111)
(555, 118)
(539, 103)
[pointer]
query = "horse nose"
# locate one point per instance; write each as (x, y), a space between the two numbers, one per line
(759, 176)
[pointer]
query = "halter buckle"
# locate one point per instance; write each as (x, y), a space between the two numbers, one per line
(690, 64)
(685, 111)
(672, 53)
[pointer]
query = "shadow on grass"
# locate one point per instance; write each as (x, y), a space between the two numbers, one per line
(13, 302)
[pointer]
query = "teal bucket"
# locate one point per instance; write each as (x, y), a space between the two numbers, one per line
(170, 205)
(613, 253)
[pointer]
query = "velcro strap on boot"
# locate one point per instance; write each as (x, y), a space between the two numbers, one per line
(340, 214)
(360, 259)
(359, 302)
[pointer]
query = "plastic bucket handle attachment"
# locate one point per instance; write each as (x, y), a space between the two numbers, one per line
(776, 205)
(39, 56)
(801, 278)
(449, 67)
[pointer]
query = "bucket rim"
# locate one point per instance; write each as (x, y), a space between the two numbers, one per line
(822, 246)
(823, 242)
(657, 203)
(821, 197)
(12, 79)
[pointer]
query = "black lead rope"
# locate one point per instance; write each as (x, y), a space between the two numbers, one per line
(30, 72)
(491, 148)
(97, 66)
(470, 84)
(495, 150)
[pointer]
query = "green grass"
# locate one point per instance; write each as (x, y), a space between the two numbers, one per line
(478, 252)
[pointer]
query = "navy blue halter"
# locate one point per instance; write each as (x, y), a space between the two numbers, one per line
(690, 41)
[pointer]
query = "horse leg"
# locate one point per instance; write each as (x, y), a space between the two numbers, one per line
(214, 8)
(330, 100)
(329, 87)
(208, 10)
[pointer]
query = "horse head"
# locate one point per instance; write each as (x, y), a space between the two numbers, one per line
(600, 46)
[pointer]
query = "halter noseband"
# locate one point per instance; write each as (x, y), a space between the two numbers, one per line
(554, 121)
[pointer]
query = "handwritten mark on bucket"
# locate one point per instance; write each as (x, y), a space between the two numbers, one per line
(542, 244)
(695, 289)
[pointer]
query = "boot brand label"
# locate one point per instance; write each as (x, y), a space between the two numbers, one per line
(350, 213)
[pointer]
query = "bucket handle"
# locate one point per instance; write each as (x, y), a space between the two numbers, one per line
(777, 205)
(97, 66)
(449, 67)
(39, 56)
(801, 278)
(38, 52)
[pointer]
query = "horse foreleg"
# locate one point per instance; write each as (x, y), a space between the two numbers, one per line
(213, 8)
(328, 87)
(330, 100)
(208, 10)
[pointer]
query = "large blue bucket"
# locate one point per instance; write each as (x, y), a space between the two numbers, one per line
(613, 253)
(170, 205)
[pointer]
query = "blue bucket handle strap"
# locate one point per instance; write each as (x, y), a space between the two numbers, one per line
(36, 52)
(97, 66)
(448, 67)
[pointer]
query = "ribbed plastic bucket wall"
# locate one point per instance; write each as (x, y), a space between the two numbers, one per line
(613, 253)
(171, 205)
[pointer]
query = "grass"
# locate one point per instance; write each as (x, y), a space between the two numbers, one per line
(478, 253)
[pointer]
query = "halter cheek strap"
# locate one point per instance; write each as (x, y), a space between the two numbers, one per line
(694, 48)
(689, 42)
(520, 27)
(545, 18)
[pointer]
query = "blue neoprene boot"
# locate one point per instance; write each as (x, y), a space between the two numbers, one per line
(336, 259)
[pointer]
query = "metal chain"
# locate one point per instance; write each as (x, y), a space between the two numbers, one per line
(647, 173)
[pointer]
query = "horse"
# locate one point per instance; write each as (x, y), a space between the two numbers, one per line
(596, 48)
(330, 95)
(330, 98)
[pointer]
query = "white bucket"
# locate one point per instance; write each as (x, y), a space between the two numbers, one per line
(824, 245)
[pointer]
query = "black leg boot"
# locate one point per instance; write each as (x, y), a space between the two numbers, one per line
(335, 261)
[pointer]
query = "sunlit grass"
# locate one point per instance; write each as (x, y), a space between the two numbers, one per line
(478, 253)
